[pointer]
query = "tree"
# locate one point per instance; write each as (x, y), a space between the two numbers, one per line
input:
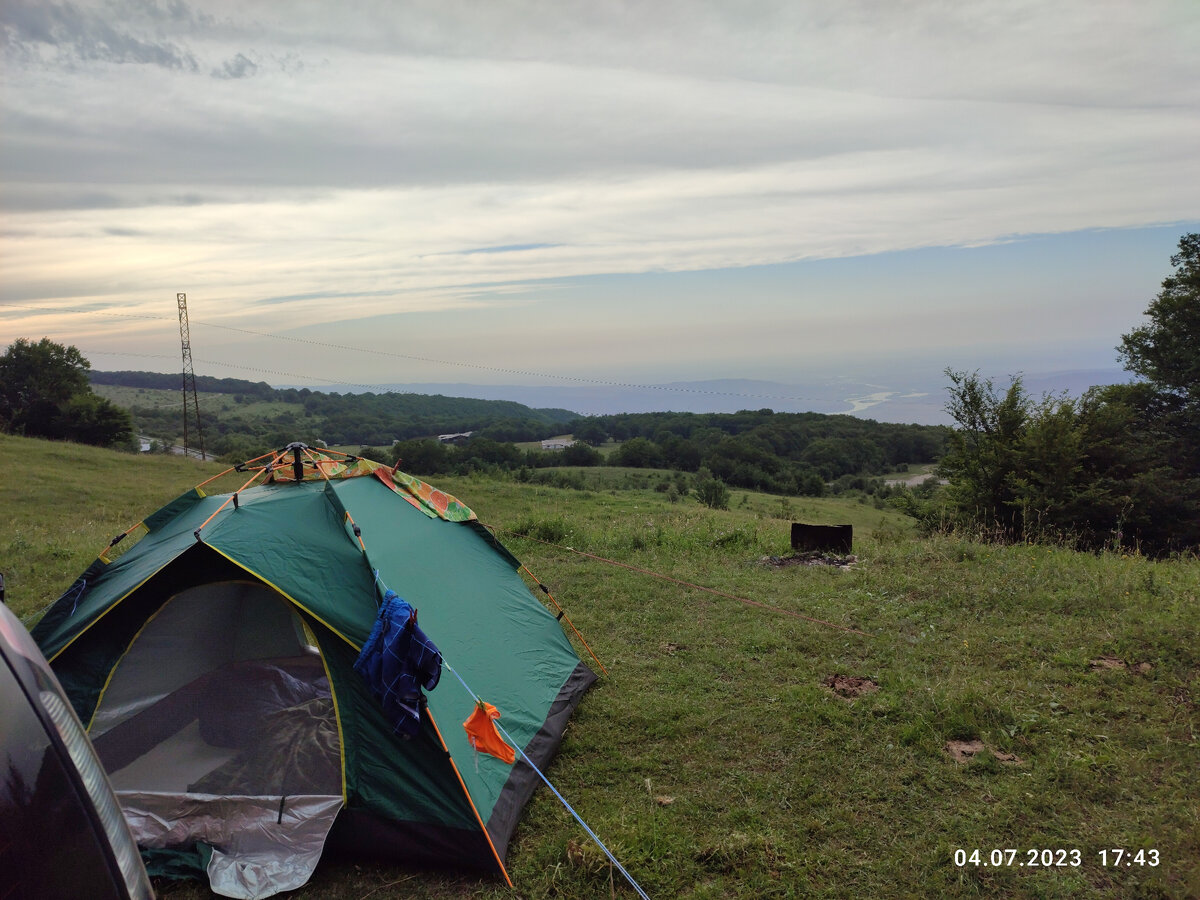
(37, 379)
(45, 392)
(590, 431)
(580, 454)
(1166, 352)
(1132, 494)
(711, 491)
(637, 453)
(981, 455)
(1118, 467)
(90, 419)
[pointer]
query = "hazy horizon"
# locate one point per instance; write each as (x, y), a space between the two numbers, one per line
(788, 192)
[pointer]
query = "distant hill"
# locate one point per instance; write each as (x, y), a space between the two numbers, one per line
(916, 399)
(173, 382)
(243, 416)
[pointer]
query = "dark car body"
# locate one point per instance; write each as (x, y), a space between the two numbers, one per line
(61, 831)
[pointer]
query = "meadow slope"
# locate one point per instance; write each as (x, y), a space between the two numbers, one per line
(718, 759)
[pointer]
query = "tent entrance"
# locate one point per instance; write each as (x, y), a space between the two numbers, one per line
(218, 726)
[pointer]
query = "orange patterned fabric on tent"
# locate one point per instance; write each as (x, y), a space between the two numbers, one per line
(481, 729)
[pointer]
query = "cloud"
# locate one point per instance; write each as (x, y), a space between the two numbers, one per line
(85, 35)
(296, 152)
(507, 248)
(240, 66)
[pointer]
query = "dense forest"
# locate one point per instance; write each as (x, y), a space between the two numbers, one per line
(782, 452)
(241, 418)
(172, 382)
(786, 453)
(789, 453)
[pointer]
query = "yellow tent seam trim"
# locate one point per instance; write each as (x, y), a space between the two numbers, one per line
(284, 593)
(337, 715)
(125, 652)
(113, 671)
(111, 607)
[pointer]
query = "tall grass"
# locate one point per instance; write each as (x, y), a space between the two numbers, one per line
(715, 762)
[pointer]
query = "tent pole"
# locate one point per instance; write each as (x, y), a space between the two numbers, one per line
(467, 794)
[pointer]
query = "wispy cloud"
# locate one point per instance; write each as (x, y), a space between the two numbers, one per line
(87, 35)
(239, 66)
(507, 248)
(433, 156)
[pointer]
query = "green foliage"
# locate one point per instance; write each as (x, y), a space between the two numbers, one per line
(711, 491)
(89, 419)
(422, 457)
(590, 431)
(173, 382)
(1120, 467)
(1166, 351)
(760, 450)
(44, 392)
(715, 762)
(981, 455)
(270, 417)
(580, 454)
(788, 453)
(637, 453)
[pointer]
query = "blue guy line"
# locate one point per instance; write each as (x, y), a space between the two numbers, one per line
(561, 798)
(79, 592)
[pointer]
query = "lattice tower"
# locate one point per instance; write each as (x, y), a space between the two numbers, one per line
(189, 380)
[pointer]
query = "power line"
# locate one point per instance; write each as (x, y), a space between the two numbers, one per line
(213, 362)
(426, 359)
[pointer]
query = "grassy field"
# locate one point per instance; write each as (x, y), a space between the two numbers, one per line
(724, 757)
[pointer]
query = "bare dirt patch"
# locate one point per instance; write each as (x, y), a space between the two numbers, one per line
(965, 751)
(1106, 663)
(850, 687)
(810, 558)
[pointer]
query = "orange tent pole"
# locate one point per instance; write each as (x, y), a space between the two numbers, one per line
(467, 794)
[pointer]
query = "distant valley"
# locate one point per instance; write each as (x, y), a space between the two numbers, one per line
(919, 402)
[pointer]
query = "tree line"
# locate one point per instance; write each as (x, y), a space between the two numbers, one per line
(1116, 468)
(45, 392)
(786, 453)
(252, 415)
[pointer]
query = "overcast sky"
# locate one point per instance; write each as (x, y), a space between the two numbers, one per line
(618, 191)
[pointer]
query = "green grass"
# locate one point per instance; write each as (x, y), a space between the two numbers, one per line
(713, 760)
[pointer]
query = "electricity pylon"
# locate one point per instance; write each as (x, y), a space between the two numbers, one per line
(189, 379)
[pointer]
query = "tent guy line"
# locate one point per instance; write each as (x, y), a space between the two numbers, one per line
(158, 640)
(563, 800)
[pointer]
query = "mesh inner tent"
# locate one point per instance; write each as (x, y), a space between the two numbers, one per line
(218, 726)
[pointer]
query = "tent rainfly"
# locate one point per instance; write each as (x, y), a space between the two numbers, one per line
(215, 663)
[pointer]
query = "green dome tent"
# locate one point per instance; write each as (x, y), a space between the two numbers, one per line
(214, 662)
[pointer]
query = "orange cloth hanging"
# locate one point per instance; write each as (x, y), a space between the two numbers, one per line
(481, 731)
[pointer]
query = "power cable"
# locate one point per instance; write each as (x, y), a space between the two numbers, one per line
(228, 365)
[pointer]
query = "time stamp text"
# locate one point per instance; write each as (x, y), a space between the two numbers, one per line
(1046, 858)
